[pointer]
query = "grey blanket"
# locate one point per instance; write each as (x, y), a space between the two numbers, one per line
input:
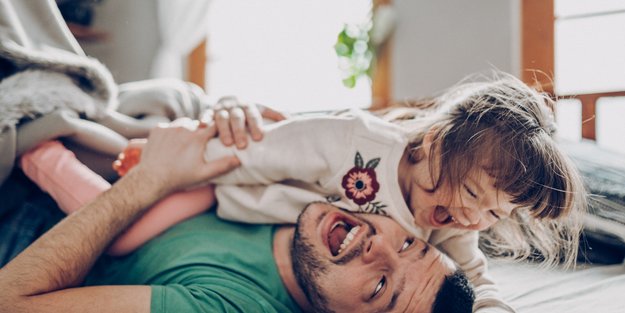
(50, 89)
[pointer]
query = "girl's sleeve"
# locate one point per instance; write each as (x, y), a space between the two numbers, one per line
(463, 249)
(71, 184)
(308, 149)
(277, 203)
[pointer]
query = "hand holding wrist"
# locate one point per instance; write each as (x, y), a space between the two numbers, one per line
(236, 119)
(173, 157)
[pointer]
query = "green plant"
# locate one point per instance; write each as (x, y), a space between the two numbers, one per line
(356, 52)
(357, 45)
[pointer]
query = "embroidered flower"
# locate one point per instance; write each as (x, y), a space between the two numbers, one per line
(360, 183)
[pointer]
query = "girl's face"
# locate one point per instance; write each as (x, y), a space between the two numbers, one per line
(474, 205)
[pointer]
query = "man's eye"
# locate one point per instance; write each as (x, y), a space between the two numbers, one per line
(470, 192)
(494, 214)
(406, 244)
(379, 287)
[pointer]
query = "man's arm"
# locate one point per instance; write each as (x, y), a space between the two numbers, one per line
(41, 278)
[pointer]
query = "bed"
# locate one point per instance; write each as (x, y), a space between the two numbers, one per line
(587, 289)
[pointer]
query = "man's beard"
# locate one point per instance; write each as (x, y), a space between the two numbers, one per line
(308, 266)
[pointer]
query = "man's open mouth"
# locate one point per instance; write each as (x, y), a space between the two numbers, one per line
(441, 216)
(341, 233)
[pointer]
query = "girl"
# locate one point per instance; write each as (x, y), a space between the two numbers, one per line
(480, 157)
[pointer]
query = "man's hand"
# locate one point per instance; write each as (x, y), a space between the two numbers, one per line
(234, 119)
(173, 155)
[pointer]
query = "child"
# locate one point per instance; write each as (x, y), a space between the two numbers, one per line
(481, 158)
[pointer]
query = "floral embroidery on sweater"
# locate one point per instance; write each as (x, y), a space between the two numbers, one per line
(361, 185)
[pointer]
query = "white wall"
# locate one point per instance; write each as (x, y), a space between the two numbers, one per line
(132, 28)
(438, 42)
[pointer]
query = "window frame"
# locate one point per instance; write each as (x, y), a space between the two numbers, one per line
(538, 57)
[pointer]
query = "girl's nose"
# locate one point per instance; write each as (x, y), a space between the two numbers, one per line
(472, 215)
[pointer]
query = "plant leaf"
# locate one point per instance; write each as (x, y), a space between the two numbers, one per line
(373, 163)
(341, 49)
(350, 82)
(358, 160)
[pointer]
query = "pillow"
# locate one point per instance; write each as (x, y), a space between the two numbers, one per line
(603, 172)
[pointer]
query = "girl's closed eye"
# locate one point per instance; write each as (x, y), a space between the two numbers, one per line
(470, 192)
(493, 213)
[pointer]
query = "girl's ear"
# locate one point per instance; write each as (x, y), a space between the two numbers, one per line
(427, 141)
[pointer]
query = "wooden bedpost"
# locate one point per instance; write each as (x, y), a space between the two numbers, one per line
(196, 65)
(537, 44)
(381, 89)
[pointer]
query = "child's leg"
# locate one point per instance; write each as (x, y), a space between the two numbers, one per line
(171, 210)
(57, 171)
(71, 184)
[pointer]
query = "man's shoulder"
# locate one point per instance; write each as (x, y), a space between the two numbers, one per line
(226, 265)
(204, 262)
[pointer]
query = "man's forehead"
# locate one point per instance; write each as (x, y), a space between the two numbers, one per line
(423, 284)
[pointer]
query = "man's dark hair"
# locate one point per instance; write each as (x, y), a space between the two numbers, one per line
(455, 296)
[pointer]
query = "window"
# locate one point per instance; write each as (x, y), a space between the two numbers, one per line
(589, 49)
(281, 53)
(580, 45)
(589, 46)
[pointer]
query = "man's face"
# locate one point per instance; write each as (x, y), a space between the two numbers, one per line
(364, 263)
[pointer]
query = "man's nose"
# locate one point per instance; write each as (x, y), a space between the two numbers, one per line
(379, 249)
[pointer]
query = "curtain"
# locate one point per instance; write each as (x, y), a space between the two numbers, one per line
(183, 24)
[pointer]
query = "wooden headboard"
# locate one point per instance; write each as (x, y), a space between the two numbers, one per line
(589, 110)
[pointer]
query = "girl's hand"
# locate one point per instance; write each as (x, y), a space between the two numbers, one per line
(234, 119)
(130, 157)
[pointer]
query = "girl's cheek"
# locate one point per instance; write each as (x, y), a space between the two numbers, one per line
(485, 225)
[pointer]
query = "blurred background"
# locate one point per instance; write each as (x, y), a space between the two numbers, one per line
(298, 55)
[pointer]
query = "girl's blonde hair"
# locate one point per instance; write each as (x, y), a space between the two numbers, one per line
(507, 128)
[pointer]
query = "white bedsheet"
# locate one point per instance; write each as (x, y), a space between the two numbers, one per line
(592, 289)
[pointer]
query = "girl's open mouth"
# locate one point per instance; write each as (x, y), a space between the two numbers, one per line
(441, 216)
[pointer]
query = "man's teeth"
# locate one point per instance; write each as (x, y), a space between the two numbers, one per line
(348, 239)
(339, 223)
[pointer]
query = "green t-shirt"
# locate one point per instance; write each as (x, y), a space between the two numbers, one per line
(203, 265)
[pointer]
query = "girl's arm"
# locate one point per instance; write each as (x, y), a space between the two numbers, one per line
(301, 149)
(463, 249)
(71, 184)
(308, 149)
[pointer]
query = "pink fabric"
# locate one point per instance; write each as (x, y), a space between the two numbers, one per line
(72, 184)
(57, 171)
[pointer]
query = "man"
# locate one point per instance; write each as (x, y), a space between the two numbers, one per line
(209, 265)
